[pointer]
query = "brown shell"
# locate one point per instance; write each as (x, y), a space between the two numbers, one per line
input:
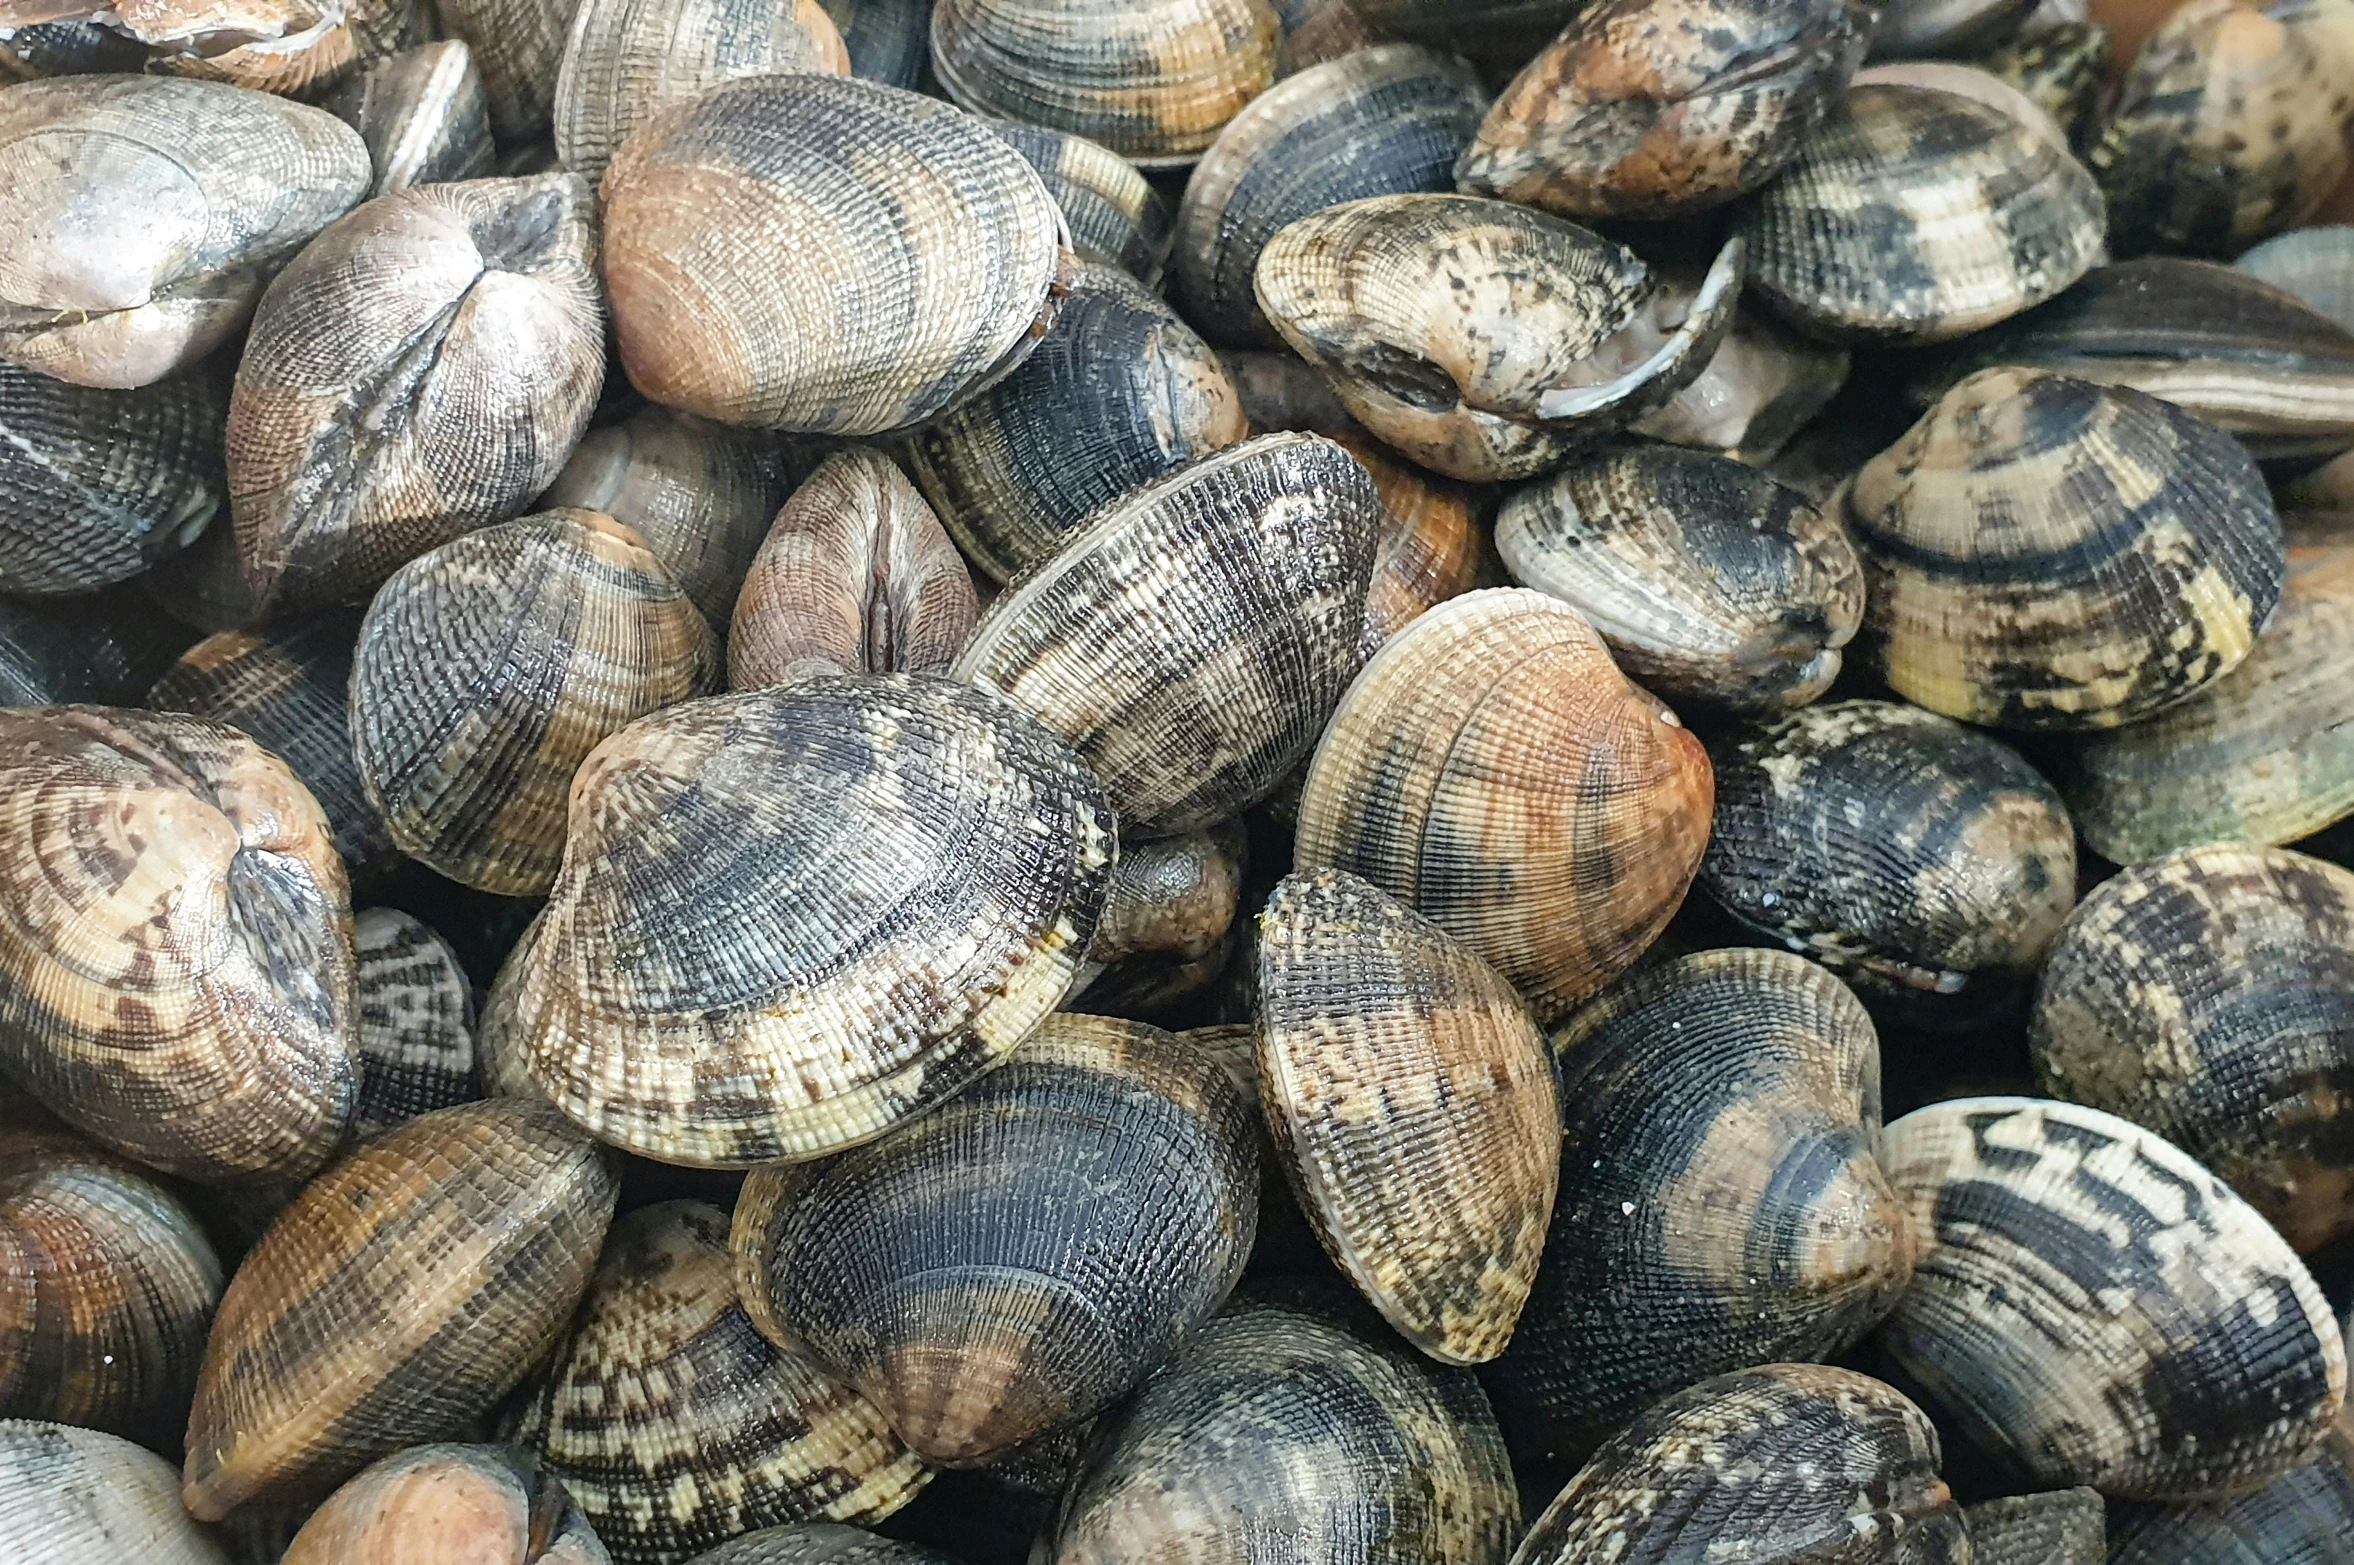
(1115, 215)
(416, 1023)
(296, 47)
(76, 1497)
(518, 46)
(449, 1505)
(422, 115)
(1172, 897)
(1433, 544)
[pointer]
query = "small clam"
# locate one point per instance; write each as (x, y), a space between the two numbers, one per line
(1172, 898)
(422, 115)
(518, 47)
(416, 1023)
(1497, 33)
(888, 41)
(2315, 264)
(76, 1497)
(105, 647)
(2058, 1527)
(1955, 28)
(1764, 384)
(2095, 1308)
(1115, 216)
(817, 1543)
(1433, 546)
(296, 47)
(2303, 1517)
(448, 1505)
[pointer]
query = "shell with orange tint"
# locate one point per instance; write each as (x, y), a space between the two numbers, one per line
(449, 1505)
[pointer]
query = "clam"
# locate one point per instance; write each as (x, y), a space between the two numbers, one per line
(76, 1497)
(1967, 81)
(676, 1426)
(814, 253)
(2046, 553)
(1432, 544)
(1482, 339)
(1115, 216)
(887, 40)
(519, 47)
(416, 1023)
(1782, 1464)
(2095, 1308)
(454, 1248)
(1915, 216)
(1712, 583)
(1190, 640)
(423, 116)
(1660, 108)
(1903, 851)
(175, 943)
(1315, 31)
(1957, 28)
(1151, 79)
(147, 214)
(1280, 390)
(297, 47)
(204, 590)
(489, 668)
(789, 918)
(447, 1504)
(1497, 33)
(1381, 121)
(2303, 1517)
(2061, 68)
(380, 357)
(1172, 898)
(817, 1543)
(856, 577)
(1764, 384)
(1493, 770)
(105, 647)
(2058, 1527)
(2315, 264)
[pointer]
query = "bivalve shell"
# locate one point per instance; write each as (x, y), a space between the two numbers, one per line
(416, 1023)
(76, 1497)
(449, 1505)
(422, 115)
(1115, 215)
(2315, 264)
(2057, 1527)
(105, 647)
(1958, 28)
(1433, 545)
(2303, 1517)
(887, 40)
(518, 47)
(1497, 33)
(296, 47)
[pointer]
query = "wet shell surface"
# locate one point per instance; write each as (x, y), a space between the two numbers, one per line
(449, 1505)
(1115, 215)
(2058, 1527)
(1957, 28)
(1764, 384)
(1497, 33)
(817, 1543)
(295, 47)
(2303, 1517)
(105, 647)
(2095, 1308)
(422, 115)
(518, 46)
(455, 1247)
(73, 1496)
(1190, 640)
(416, 1023)
(833, 184)
(790, 918)
(2315, 264)
(1023, 1255)
(1968, 81)
(1433, 545)
(1172, 897)
(1492, 769)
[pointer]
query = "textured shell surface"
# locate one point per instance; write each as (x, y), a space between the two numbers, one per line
(1944, 27)
(1315, 31)
(1281, 390)
(2315, 264)
(2062, 67)
(818, 1543)
(1967, 81)
(204, 590)
(1190, 639)
(416, 1023)
(519, 47)
(1173, 897)
(2303, 1517)
(1114, 213)
(814, 253)
(448, 1505)
(2095, 1308)
(297, 47)
(1023, 1255)
(1497, 33)
(789, 918)
(73, 1496)
(1434, 544)
(378, 359)
(2057, 1527)
(423, 116)
(105, 647)
(888, 40)
(453, 1248)
(64, 48)
(1492, 769)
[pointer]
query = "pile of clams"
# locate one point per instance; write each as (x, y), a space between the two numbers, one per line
(1176, 782)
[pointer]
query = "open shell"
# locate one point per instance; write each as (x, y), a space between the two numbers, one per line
(443, 1504)
(296, 47)
(422, 115)
(1115, 215)
(76, 1497)
(416, 1023)
(518, 47)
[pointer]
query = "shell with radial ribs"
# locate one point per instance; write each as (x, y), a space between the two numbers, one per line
(2045, 553)
(889, 41)
(489, 668)
(106, 647)
(462, 1240)
(856, 577)
(2056, 1527)
(2303, 1517)
(1915, 216)
(518, 46)
(416, 1023)
(1966, 81)
(676, 1425)
(1720, 1205)
(2093, 1307)
(179, 983)
(422, 115)
(1022, 1256)
(1433, 546)
(817, 1543)
(73, 1496)
(147, 214)
(745, 229)
(446, 1504)
(790, 918)
(1190, 639)
(1115, 215)
(1492, 769)
(1173, 897)
(380, 357)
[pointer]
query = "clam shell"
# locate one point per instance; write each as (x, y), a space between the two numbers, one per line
(76, 1497)
(423, 116)
(2095, 1308)
(1764, 384)
(2060, 1527)
(518, 47)
(817, 1543)
(442, 1504)
(888, 40)
(296, 47)
(1281, 390)
(416, 1023)
(1115, 215)
(1315, 31)
(105, 647)
(1958, 28)
(1173, 897)
(1967, 81)
(65, 49)
(2303, 1517)
(863, 892)
(1497, 33)
(1432, 547)
(204, 590)
(2315, 264)
(2061, 66)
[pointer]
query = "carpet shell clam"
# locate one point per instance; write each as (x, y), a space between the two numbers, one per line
(416, 1023)
(817, 1543)
(2315, 264)
(1115, 215)
(71, 1496)
(518, 46)
(422, 115)
(2303, 1517)
(445, 1504)
(2055, 1527)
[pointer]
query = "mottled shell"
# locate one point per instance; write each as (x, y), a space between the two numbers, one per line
(76, 1497)
(105, 647)
(1410, 1101)
(2058, 1527)
(1914, 216)
(518, 46)
(453, 1248)
(490, 667)
(1957, 28)
(2315, 264)
(1190, 640)
(1173, 897)
(147, 213)
(1115, 215)
(676, 1425)
(1497, 33)
(817, 1543)
(296, 47)
(97, 485)
(856, 577)
(2095, 1308)
(2303, 1517)
(790, 918)
(175, 943)
(449, 1505)
(1712, 583)
(1785, 1464)
(888, 40)
(1901, 850)
(1377, 122)
(1658, 108)
(1153, 80)
(820, 254)
(380, 357)
(2045, 553)
(2062, 67)
(416, 1023)
(1492, 769)
(1433, 545)
(423, 116)
(1967, 81)
(1764, 384)
(1315, 31)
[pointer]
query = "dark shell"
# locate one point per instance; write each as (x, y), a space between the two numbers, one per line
(889, 41)
(1434, 544)
(1954, 28)
(2059, 1527)
(1497, 33)
(1172, 897)
(76, 1497)
(422, 115)
(2303, 1517)
(818, 1543)
(205, 589)
(2060, 66)
(1115, 216)
(107, 648)
(1281, 390)
(416, 1023)
(476, 1504)
(67, 49)
(1315, 31)
(518, 47)
(2315, 264)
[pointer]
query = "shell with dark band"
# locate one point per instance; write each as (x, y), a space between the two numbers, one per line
(446, 1504)
(73, 1496)
(2303, 1517)
(1115, 215)
(105, 647)
(1434, 544)
(1956, 28)
(422, 115)
(416, 1023)
(1496, 33)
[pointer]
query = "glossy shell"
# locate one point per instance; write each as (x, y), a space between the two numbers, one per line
(817, 1543)
(1433, 545)
(416, 1023)
(1967, 81)
(422, 115)
(295, 47)
(2057, 1527)
(449, 1505)
(105, 647)
(76, 1497)
(2315, 264)
(518, 46)
(1765, 383)
(1115, 215)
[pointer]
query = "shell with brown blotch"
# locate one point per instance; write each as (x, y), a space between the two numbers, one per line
(1434, 544)
(518, 47)
(1115, 215)
(73, 1496)
(1173, 898)
(422, 115)
(817, 1543)
(449, 1505)
(416, 1023)
(2056, 1527)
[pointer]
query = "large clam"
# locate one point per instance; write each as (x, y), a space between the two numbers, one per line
(72, 1496)
(448, 1505)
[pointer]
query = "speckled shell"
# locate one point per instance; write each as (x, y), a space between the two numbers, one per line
(1172, 897)
(1720, 1205)
(1900, 849)
(1914, 216)
(2061, 66)
(454, 1248)
(76, 1497)
(416, 1023)
(790, 918)
(2045, 553)
(888, 40)
(1764, 384)
(2058, 1527)
(489, 668)
(1280, 1438)
(148, 213)
(380, 357)
(449, 1505)
(296, 47)
(676, 1425)
(1380, 121)
(1115, 215)
(2315, 264)
(1658, 108)
(1783, 1464)
(818, 1543)
(1712, 583)
(1189, 641)
(1433, 545)
(422, 115)
(2095, 1308)
(1497, 33)
(746, 230)
(106, 647)
(1410, 1101)
(1966, 81)
(1955, 28)
(518, 46)
(175, 943)
(1492, 769)
(2303, 1517)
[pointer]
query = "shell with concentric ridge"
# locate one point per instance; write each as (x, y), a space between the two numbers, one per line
(1115, 215)
(2303, 1517)
(299, 48)
(445, 1504)
(519, 47)
(416, 1023)
(1173, 897)
(73, 1496)
(817, 1543)
(1433, 545)
(887, 40)
(422, 115)
(2056, 1527)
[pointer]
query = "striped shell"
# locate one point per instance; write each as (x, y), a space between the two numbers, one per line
(1434, 544)
(888, 40)
(2057, 1527)
(422, 115)
(416, 1023)
(1115, 215)
(518, 46)
(76, 1497)
(448, 1505)
(2303, 1517)
(2061, 65)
